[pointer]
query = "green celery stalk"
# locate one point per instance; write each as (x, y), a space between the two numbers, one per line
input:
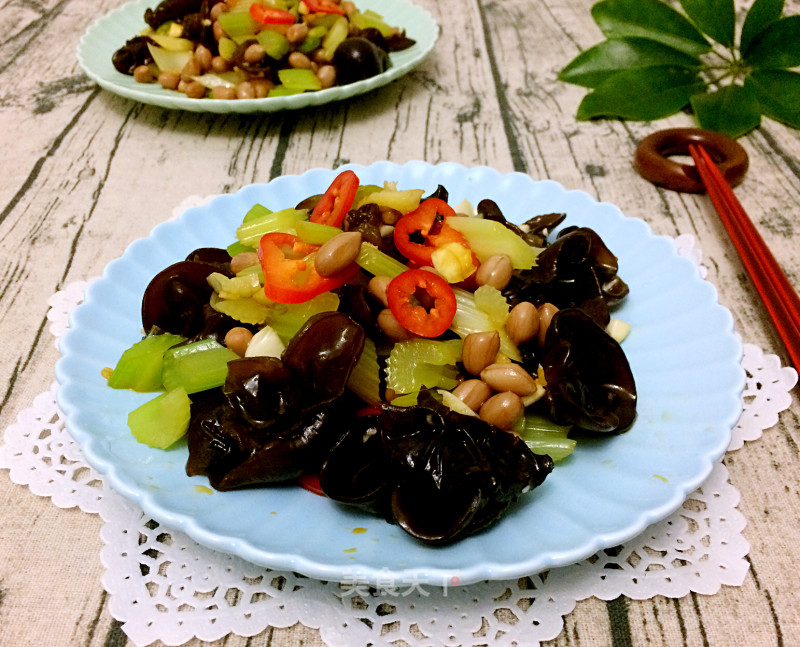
(315, 233)
(365, 378)
(275, 45)
(377, 263)
(162, 421)
(237, 24)
(488, 238)
(139, 368)
(299, 79)
(250, 232)
(238, 248)
(335, 37)
(543, 436)
(287, 319)
(198, 366)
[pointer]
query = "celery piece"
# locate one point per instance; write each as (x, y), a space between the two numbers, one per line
(250, 232)
(365, 378)
(421, 363)
(543, 436)
(377, 263)
(493, 303)
(404, 201)
(363, 192)
(488, 238)
(139, 368)
(315, 233)
(453, 261)
(287, 319)
(256, 211)
(162, 421)
(238, 23)
(172, 44)
(454, 403)
(238, 248)
(313, 39)
(407, 400)
(227, 48)
(335, 37)
(198, 366)
(299, 79)
(247, 311)
(238, 287)
(470, 318)
(367, 19)
(168, 61)
(283, 91)
(275, 44)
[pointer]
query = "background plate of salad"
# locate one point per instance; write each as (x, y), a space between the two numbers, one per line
(110, 32)
(682, 349)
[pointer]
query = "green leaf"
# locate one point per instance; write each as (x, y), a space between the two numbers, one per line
(717, 18)
(645, 94)
(595, 65)
(777, 46)
(759, 16)
(733, 110)
(778, 94)
(650, 19)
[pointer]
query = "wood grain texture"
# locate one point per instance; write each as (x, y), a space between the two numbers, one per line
(85, 173)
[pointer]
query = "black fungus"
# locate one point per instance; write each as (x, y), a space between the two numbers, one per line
(589, 380)
(278, 417)
(173, 10)
(576, 271)
(131, 55)
(438, 474)
(358, 58)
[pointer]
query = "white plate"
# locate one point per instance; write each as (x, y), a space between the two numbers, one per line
(111, 32)
(682, 349)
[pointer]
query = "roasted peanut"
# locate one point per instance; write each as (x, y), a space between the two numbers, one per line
(254, 53)
(392, 328)
(220, 65)
(546, 312)
(480, 350)
(523, 322)
(245, 90)
(143, 74)
(507, 376)
(337, 253)
(169, 80)
(326, 75)
(473, 393)
(243, 260)
(495, 271)
(377, 287)
(237, 340)
(195, 90)
(297, 32)
(223, 92)
(203, 57)
(190, 70)
(502, 410)
(299, 61)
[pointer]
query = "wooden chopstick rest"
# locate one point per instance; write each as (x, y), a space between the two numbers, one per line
(652, 158)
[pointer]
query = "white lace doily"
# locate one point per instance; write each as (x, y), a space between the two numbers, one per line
(164, 586)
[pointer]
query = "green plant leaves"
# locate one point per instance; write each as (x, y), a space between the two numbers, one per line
(733, 110)
(761, 14)
(776, 47)
(716, 18)
(596, 64)
(642, 95)
(657, 60)
(650, 19)
(778, 94)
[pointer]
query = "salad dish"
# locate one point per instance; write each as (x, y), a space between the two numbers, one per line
(368, 332)
(259, 60)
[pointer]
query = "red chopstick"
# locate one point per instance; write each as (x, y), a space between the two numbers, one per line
(778, 295)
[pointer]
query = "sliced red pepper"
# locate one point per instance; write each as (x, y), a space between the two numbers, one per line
(324, 6)
(334, 205)
(406, 294)
(270, 15)
(420, 232)
(289, 272)
(310, 482)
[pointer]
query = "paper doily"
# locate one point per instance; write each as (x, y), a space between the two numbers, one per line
(164, 586)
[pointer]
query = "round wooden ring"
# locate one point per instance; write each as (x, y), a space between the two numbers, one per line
(653, 161)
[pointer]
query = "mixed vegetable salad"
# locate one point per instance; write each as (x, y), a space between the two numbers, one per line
(244, 49)
(389, 350)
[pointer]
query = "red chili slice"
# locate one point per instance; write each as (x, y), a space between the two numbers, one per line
(310, 482)
(408, 290)
(420, 232)
(270, 15)
(334, 205)
(289, 272)
(323, 6)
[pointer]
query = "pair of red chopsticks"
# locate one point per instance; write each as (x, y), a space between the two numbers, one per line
(776, 292)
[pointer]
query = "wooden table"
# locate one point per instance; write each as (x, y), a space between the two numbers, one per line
(85, 173)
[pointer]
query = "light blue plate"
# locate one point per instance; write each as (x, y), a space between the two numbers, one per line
(684, 355)
(111, 32)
